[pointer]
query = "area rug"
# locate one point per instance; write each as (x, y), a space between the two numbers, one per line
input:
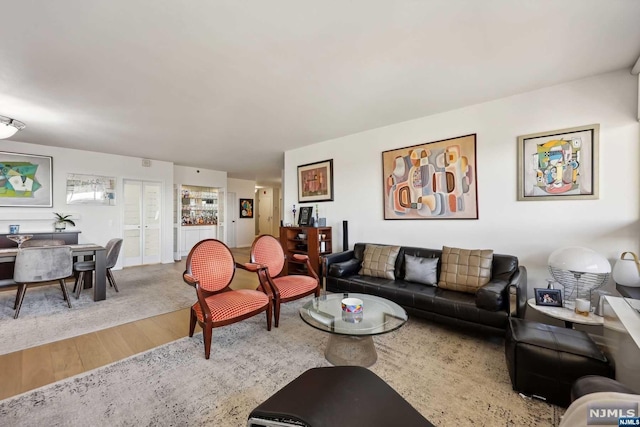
(451, 377)
(144, 292)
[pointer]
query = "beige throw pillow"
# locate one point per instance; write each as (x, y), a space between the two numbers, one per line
(465, 270)
(379, 261)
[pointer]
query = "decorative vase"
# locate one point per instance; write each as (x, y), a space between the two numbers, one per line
(626, 272)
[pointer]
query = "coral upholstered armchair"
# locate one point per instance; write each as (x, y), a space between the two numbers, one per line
(267, 252)
(210, 269)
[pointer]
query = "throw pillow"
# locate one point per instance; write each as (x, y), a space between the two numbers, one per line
(465, 270)
(421, 270)
(379, 261)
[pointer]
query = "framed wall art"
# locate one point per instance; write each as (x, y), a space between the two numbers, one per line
(315, 182)
(91, 190)
(246, 208)
(434, 180)
(26, 180)
(559, 165)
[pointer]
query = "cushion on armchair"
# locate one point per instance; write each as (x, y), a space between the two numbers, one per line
(465, 270)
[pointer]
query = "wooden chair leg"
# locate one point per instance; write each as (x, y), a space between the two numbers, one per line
(79, 284)
(112, 280)
(22, 289)
(65, 293)
(192, 323)
(277, 313)
(207, 332)
(18, 293)
(269, 316)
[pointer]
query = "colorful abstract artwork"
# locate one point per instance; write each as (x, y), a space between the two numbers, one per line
(560, 164)
(315, 182)
(25, 180)
(436, 180)
(246, 208)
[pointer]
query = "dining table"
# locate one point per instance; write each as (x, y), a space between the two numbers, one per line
(85, 250)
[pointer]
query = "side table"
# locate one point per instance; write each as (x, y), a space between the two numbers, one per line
(566, 314)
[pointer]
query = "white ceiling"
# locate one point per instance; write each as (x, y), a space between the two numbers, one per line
(230, 85)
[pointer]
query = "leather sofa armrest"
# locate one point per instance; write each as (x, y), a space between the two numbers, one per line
(519, 283)
(338, 257)
(344, 268)
(493, 296)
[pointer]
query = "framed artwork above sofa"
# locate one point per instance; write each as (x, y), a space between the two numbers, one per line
(434, 180)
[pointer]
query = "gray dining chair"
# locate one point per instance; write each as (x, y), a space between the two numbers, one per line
(41, 264)
(112, 249)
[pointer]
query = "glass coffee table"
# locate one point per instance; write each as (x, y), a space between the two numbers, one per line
(351, 339)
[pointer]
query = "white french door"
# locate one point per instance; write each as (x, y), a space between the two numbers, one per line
(142, 219)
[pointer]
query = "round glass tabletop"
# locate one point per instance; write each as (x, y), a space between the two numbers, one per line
(379, 315)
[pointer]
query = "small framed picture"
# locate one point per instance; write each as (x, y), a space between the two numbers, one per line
(548, 297)
(305, 216)
(246, 208)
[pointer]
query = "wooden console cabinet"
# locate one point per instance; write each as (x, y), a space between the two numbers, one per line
(312, 241)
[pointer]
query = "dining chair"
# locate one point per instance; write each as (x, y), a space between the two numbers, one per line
(41, 264)
(210, 269)
(267, 251)
(112, 250)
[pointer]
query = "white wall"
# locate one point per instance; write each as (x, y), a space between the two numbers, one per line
(245, 227)
(529, 230)
(98, 224)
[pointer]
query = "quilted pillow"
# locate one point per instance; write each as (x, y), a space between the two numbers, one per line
(379, 261)
(421, 270)
(465, 270)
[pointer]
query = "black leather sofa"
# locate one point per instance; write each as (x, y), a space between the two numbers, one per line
(488, 309)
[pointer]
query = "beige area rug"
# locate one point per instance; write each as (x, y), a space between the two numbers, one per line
(452, 378)
(144, 292)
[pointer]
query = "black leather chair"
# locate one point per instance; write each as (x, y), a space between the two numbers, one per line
(544, 360)
(597, 384)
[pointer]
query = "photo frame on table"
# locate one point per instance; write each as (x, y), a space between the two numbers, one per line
(304, 218)
(559, 165)
(548, 297)
(315, 182)
(246, 208)
(26, 180)
(433, 180)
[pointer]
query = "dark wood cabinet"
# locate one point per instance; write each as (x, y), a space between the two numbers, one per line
(6, 268)
(312, 241)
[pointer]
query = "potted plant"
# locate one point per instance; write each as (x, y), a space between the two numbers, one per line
(62, 221)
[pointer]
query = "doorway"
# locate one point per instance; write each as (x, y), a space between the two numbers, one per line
(142, 219)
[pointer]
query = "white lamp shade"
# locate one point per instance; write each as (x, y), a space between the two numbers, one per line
(579, 259)
(7, 131)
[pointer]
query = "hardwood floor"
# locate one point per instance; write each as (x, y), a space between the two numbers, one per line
(34, 367)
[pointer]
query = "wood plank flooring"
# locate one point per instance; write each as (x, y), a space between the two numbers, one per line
(34, 367)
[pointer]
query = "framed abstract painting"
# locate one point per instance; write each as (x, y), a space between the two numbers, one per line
(315, 182)
(26, 180)
(559, 165)
(435, 180)
(246, 208)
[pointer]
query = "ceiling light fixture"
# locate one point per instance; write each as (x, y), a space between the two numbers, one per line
(9, 126)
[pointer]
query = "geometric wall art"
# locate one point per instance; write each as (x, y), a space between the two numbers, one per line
(26, 180)
(435, 180)
(559, 165)
(315, 182)
(246, 208)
